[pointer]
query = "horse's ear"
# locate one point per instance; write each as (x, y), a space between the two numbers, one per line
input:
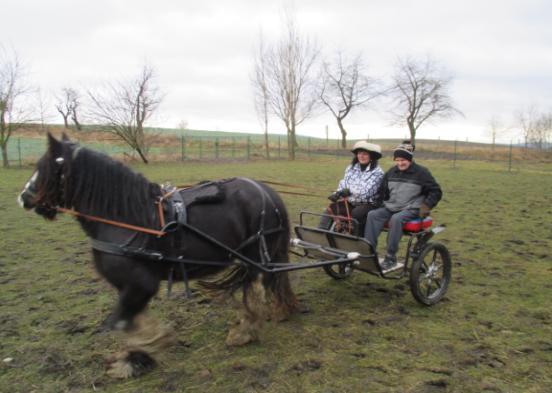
(64, 137)
(54, 146)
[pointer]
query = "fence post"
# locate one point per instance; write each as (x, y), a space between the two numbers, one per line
(454, 161)
(248, 147)
(19, 151)
(216, 148)
(510, 158)
(233, 146)
(279, 147)
(200, 147)
(182, 148)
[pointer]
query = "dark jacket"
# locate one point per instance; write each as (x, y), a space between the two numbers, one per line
(401, 190)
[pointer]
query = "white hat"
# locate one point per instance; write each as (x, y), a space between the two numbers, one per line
(369, 147)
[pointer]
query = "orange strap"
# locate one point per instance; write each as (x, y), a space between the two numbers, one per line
(111, 222)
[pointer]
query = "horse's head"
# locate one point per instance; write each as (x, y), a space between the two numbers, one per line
(44, 190)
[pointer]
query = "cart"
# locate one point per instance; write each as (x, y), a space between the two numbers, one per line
(426, 265)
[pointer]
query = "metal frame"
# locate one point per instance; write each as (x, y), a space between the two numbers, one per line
(339, 256)
(413, 249)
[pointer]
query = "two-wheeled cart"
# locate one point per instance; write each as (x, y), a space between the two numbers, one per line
(427, 264)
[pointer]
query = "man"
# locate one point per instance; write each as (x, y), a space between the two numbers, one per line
(408, 191)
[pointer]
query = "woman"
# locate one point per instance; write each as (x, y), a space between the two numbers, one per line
(360, 185)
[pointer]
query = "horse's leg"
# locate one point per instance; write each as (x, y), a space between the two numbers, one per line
(254, 313)
(147, 338)
(135, 284)
(136, 289)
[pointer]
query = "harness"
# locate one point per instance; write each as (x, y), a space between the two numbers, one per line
(172, 211)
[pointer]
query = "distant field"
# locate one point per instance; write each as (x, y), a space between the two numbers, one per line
(492, 332)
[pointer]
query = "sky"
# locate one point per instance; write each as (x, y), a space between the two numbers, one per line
(499, 53)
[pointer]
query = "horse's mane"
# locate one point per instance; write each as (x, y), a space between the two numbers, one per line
(98, 185)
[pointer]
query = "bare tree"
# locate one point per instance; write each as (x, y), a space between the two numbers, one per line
(125, 107)
(182, 125)
(13, 90)
(43, 104)
(63, 108)
(290, 85)
(75, 107)
(495, 128)
(543, 130)
(346, 86)
(260, 88)
(68, 103)
(420, 92)
(527, 119)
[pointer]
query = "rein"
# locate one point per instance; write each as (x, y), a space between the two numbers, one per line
(111, 222)
(124, 225)
(312, 192)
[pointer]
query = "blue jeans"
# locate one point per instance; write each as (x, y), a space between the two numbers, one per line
(376, 220)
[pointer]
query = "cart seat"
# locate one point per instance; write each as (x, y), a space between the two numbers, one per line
(416, 225)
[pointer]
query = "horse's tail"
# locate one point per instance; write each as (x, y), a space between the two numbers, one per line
(277, 246)
(229, 283)
(278, 286)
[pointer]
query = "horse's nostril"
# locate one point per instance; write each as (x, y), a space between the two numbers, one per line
(24, 201)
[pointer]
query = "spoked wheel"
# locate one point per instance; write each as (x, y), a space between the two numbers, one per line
(339, 271)
(430, 274)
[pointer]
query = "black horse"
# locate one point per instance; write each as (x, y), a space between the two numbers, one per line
(94, 185)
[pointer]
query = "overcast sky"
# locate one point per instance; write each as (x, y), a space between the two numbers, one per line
(499, 52)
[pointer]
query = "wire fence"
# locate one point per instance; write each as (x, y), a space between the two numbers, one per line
(170, 148)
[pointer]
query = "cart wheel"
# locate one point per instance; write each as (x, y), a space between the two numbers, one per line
(339, 271)
(430, 274)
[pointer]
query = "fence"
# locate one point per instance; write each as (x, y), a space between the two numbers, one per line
(23, 151)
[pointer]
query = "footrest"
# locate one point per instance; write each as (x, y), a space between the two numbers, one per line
(399, 265)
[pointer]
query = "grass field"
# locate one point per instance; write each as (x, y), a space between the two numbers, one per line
(491, 333)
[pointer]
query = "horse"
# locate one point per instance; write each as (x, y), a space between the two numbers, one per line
(90, 184)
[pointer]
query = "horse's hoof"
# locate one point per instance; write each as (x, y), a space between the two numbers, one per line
(112, 322)
(134, 364)
(280, 314)
(237, 337)
(121, 325)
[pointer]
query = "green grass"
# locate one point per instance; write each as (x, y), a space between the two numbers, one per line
(491, 333)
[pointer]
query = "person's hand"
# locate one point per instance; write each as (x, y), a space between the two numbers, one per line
(345, 193)
(424, 210)
(334, 197)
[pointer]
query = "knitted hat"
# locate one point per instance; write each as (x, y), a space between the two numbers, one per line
(404, 150)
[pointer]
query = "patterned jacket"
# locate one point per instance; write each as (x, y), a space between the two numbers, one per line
(363, 185)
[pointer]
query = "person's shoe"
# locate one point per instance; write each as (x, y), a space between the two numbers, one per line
(389, 264)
